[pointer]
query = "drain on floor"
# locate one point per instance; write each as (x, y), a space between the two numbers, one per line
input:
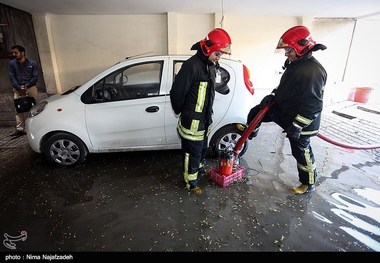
(368, 110)
(344, 115)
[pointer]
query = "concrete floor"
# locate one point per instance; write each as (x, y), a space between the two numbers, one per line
(135, 201)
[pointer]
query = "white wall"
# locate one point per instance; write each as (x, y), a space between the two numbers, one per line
(85, 45)
(191, 29)
(363, 64)
(75, 48)
(336, 35)
(254, 42)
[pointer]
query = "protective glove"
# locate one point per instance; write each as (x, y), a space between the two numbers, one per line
(293, 131)
(267, 100)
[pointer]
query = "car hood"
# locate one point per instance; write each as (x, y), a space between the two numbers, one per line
(55, 97)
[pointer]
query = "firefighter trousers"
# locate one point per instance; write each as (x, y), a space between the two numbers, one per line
(193, 158)
(301, 148)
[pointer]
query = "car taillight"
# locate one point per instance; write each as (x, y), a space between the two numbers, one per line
(247, 80)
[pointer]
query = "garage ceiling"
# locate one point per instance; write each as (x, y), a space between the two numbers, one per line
(317, 8)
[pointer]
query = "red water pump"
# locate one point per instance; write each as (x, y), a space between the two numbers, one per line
(226, 162)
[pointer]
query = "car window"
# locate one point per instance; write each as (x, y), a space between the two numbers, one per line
(132, 82)
(221, 81)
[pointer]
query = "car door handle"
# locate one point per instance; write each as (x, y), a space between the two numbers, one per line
(152, 109)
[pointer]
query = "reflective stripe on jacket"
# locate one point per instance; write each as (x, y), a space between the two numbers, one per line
(299, 95)
(192, 96)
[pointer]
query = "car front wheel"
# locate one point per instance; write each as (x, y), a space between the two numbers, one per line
(65, 149)
(227, 138)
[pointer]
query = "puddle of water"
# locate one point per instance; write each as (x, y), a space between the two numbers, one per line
(348, 209)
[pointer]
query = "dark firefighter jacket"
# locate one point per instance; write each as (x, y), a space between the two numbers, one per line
(192, 96)
(299, 96)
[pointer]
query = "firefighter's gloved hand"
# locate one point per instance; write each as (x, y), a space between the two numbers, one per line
(267, 100)
(293, 131)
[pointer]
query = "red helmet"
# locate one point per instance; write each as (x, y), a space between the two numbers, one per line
(216, 40)
(298, 38)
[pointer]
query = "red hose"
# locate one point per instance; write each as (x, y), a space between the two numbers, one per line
(262, 113)
(251, 127)
(348, 146)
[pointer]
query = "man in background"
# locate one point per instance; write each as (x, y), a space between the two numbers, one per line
(23, 74)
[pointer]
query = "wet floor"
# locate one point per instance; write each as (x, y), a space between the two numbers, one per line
(122, 202)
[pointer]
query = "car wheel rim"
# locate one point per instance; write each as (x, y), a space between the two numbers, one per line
(228, 141)
(65, 152)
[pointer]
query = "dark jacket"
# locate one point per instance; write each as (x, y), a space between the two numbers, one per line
(192, 96)
(299, 95)
(23, 74)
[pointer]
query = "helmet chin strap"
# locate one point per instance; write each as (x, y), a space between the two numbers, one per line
(286, 64)
(318, 47)
(315, 48)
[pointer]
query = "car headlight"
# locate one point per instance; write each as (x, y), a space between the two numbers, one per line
(37, 109)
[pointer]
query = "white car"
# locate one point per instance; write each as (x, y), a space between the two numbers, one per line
(127, 108)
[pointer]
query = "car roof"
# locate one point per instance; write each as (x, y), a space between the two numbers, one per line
(144, 55)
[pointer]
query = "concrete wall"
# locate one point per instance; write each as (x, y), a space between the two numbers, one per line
(75, 48)
(362, 69)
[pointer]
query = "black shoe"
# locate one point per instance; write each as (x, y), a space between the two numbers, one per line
(17, 133)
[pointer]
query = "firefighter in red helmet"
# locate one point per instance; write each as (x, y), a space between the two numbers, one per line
(217, 40)
(297, 102)
(192, 97)
(297, 38)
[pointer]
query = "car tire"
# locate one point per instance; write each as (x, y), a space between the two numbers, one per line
(65, 149)
(227, 137)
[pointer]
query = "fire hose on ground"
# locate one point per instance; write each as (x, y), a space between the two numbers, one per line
(348, 146)
(262, 113)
